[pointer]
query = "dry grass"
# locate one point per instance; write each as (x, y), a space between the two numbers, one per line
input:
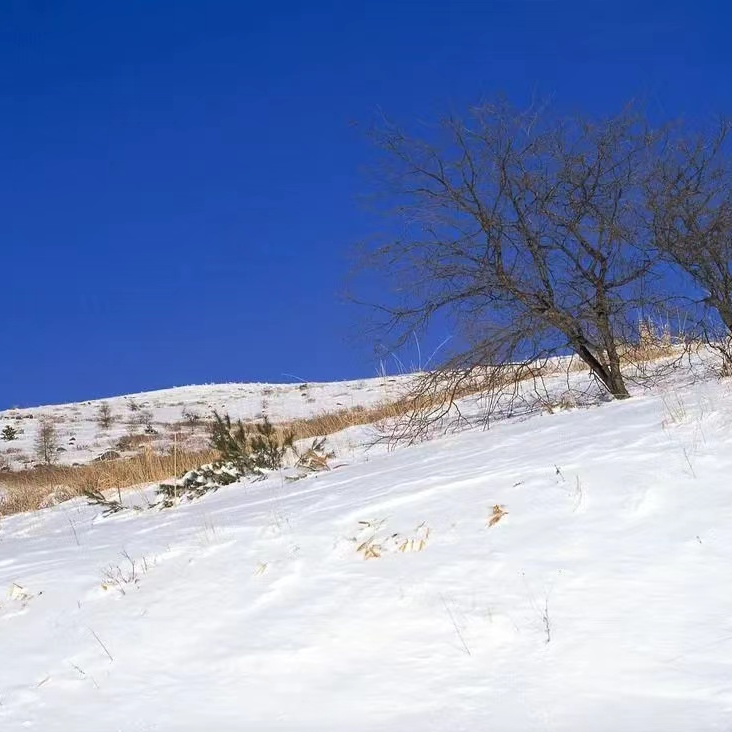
(381, 414)
(329, 423)
(25, 490)
(654, 342)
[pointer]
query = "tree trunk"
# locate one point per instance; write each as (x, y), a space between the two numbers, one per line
(724, 308)
(609, 375)
(616, 383)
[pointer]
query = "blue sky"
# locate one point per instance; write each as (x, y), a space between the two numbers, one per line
(180, 179)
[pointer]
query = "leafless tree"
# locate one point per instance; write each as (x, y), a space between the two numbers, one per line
(690, 200)
(46, 444)
(104, 415)
(527, 230)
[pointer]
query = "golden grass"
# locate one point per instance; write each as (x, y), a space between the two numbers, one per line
(25, 490)
(328, 423)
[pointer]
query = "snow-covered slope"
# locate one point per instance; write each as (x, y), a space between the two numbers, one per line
(170, 412)
(561, 572)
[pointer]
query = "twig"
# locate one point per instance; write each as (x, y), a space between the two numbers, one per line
(84, 674)
(73, 529)
(547, 622)
(455, 625)
(578, 493)
(99, 640)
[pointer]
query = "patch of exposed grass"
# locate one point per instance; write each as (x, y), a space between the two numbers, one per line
(25, 490)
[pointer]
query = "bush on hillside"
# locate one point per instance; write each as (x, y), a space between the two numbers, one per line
(246, 451)
(252, 451)
(198, 482)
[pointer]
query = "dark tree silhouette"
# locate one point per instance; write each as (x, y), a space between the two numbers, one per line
(690, 200)
(529, 231)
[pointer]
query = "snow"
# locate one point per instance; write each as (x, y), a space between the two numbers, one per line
(565, 571)
(83, 439)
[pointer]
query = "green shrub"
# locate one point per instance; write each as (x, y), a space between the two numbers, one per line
(269, 447)
(251, 451)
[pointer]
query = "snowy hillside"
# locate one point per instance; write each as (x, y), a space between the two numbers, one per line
(180, 411)
(565, 572)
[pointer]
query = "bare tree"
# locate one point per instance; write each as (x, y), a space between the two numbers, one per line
(690, 200)
(528, 231)
(104, 415)
(46, 444)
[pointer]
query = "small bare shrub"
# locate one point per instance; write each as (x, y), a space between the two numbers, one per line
(191, 417)
(104, 416)
(144, 418)
(121, 577)
(316, 457)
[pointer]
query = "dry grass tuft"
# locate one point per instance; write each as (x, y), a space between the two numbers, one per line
(497, 514)
(654, 342)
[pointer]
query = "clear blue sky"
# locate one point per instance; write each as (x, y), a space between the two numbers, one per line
(179, 178)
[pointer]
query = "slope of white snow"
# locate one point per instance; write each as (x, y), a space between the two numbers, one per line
(560, 572)
(81, 438)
